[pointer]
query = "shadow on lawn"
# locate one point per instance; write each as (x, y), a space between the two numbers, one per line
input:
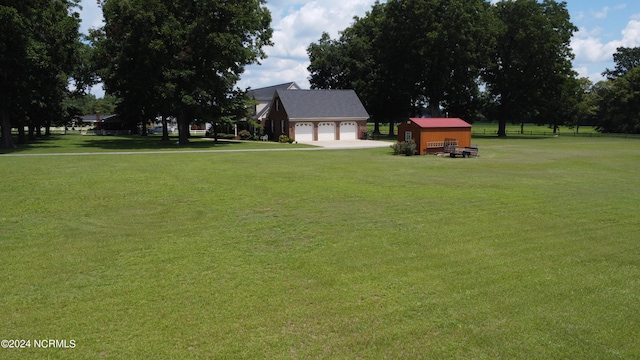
(151, 143)
(42, 142)
(89, 143)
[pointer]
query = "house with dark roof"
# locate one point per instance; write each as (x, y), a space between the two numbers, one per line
(314, 115)
(263, 97)
(106, 124)
(429, 134)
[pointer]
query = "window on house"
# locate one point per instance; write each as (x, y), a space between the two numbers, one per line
(277, 105)
(282, 126)
(407, 136)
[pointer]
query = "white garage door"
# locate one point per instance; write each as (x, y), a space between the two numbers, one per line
(326, 131)
(304, 132)
(348, 131)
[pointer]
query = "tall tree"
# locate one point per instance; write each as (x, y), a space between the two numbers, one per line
(442, 45)
(13, 59)
(38, 44)
(326, 64)
(353, 62)
(191, 53)
(618, 98)
(407, 54)
(531, 60)
(584, 107)
(626, 59)
(619, 105)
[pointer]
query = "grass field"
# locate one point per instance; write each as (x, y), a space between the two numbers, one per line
(529, 251)
(75, 143)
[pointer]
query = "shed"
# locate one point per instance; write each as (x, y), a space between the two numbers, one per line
(429, 134)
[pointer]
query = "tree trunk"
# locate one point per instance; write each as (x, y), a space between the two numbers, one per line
(22, 138)
(434, 108)
(522, 128)
(392, 124)
(183, 129)
(502, 128)
(6, 142)
(165, 128)
(143, 128)
(47, 128)
(32, 130)
(376, 127)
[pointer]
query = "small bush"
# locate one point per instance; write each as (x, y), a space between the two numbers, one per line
(407, 148)
(244, 135)
(285, 139)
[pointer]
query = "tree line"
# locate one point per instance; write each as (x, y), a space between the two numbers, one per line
(39, 47)
(179, 58)
(507, 62)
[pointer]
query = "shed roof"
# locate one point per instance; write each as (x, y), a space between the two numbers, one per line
(441, 122)
(314, 104)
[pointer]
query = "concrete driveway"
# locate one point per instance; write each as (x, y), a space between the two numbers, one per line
(348, 144)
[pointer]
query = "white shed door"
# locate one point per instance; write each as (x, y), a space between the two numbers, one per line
(304, 132)
(348, 131)
(326, 131)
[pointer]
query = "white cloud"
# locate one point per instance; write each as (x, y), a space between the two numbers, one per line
(296, 25)
(91, 15)
(584, 72)
(589, 47)
(602, 13)
(591, 51)
(631, 34)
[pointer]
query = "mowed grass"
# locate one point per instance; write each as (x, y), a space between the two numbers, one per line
(75, 143)
(529, 251)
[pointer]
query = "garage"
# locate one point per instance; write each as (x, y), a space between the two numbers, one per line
(316, 115)
(348, 131)
(326, 131)
(304, 132)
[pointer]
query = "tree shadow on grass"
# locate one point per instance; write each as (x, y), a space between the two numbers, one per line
(91, 143)
(47, 143)
(151, 143)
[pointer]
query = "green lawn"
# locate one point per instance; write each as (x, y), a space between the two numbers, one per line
(74, 143)
(528, 251)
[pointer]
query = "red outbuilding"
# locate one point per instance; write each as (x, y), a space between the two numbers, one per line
(429, 134)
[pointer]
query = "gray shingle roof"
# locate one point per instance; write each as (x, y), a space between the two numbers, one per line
(266, 93)
(314, 104)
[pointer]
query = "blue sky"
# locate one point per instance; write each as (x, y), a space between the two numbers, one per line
(604, 26)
